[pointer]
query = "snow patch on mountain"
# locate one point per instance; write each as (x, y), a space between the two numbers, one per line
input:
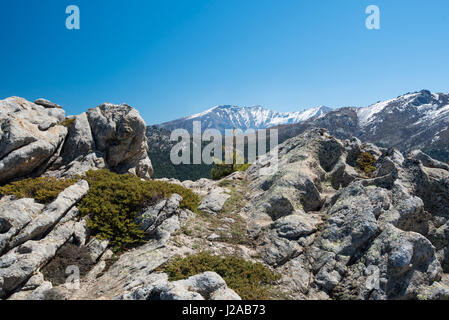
(201, 114)
(366, 115)
(428, 106)
(244, 118)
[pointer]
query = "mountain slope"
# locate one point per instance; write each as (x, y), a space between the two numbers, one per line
(418, 120)
(321, 227)
(159, 147)
(244, 118)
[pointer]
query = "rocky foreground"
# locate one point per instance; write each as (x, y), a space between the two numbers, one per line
(328, 229)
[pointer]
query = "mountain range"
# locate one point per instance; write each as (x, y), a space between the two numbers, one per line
(418, 120)
(337, 220)
(244, 118)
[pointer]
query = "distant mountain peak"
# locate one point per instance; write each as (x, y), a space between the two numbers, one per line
(421, 102)
(415, 120)
(245, 118)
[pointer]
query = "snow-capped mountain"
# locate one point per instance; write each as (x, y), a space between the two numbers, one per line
(244, 118)
(422, 106)
(418, 120)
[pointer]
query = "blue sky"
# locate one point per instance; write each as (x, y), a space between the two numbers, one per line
(173, 58)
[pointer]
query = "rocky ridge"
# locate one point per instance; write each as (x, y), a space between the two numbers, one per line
(330, 230)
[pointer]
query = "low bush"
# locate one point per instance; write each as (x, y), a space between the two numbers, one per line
(250, 280)
(222, 170)
(365, 162)
(114, 200)
(43, 189)
(111, 204)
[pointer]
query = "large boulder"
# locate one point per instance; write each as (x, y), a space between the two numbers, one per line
(378, 237)
(36, 138)
(30, 137)
(204, 286)
(397, 265)
(119, 133)
(108, 136)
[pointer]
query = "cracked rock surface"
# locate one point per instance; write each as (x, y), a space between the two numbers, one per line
(330, 230)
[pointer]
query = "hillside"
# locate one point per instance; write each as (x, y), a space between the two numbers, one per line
(412, 121)
(417, 120)
(339, 220)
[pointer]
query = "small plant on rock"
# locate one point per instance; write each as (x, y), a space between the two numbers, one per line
(250, 280)
(365, 162)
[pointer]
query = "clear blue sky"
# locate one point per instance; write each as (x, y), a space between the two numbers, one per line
(173, 58)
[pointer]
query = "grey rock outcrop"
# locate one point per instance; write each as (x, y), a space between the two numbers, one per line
(33, 235)
(47, 104)
(19, 264)
(52, 213)
(15, 215)
(119, 133)
(214, 201)
(34, 140)
(204, 286)
(378, 237)
(30, 136)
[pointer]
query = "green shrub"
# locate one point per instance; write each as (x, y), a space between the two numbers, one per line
(222, 170)
(114, 200)
(111, 204)
(43, 189)
(250, 280)
(366, 162)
